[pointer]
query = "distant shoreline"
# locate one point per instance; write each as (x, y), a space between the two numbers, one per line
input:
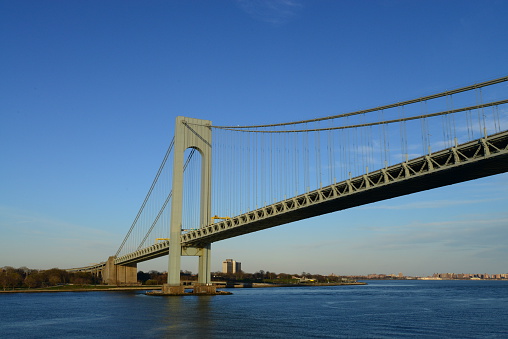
(265, 285)
(106, 288)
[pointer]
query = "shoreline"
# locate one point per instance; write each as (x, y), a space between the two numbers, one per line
(159, 287)
(266, 285)
(105, 289)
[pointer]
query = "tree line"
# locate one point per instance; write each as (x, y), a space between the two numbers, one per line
(262, 276)
(158, 278)
(23, 277)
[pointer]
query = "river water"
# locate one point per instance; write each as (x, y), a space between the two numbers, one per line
(381, 309)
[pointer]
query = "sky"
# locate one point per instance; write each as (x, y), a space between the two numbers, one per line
(89, 92)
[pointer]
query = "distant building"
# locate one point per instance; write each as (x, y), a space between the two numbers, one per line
(231, 266)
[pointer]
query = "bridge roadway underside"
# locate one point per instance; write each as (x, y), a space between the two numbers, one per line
(473, 160)
(412, 185)
(396, 189)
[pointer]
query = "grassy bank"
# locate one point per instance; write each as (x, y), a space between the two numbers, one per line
(80, 288)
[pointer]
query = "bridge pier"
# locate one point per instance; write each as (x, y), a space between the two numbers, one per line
(204, 268)
(119, 274)
(197, 134)
(197, 289)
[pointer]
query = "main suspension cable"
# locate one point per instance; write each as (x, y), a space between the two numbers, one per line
(170, 195)
(398, 104)
(166, 156)
(495, 103)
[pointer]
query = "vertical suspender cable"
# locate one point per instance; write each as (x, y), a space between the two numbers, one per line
(478, 114)
(329, 149)
(317, 151)
(271, 173)
(307, 161)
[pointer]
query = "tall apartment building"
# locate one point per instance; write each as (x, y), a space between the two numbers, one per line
(231, 266)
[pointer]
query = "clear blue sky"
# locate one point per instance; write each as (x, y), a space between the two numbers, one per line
(89, 91)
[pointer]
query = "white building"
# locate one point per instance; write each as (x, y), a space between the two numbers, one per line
(231, 266)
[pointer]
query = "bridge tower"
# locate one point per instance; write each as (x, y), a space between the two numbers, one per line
(197, 134)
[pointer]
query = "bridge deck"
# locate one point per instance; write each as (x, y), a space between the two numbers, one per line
(472, 160)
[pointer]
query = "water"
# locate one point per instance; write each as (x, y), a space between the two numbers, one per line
(382, 309)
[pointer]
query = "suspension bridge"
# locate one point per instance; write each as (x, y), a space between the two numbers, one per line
(218, 182)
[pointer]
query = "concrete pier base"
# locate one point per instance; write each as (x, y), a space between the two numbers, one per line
(205, 289)
(167, 289)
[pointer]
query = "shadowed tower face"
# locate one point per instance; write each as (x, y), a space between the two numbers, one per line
(190, 133)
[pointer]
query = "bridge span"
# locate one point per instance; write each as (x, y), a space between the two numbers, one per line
(324, 164)
(473, 160)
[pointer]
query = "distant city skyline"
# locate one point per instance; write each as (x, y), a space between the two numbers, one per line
(438, 276)
(90, 91)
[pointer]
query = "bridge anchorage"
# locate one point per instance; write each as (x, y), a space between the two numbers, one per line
(269, 175)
